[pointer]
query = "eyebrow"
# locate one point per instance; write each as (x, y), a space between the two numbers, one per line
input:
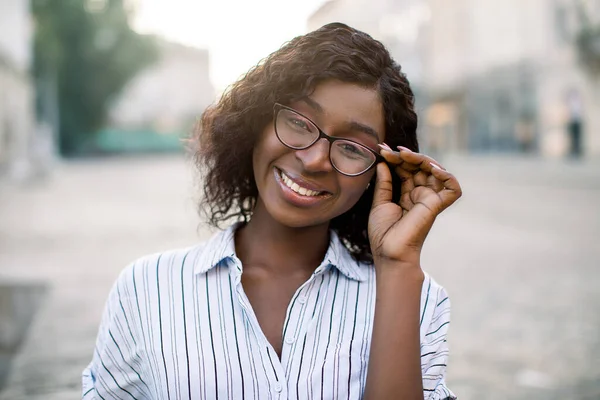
(353, 125)
(313, 104)
(357, 126)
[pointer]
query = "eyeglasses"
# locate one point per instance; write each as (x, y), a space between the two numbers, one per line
(298, 132)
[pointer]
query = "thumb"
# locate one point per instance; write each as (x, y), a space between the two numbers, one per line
(383, 185)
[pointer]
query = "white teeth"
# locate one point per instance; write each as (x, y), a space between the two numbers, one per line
(297, 188)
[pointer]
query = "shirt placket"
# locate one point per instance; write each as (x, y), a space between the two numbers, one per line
(300, 315)
(296, 328)
(275, 374)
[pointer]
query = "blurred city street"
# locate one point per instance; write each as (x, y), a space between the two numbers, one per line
(97, 96)
(518, 254)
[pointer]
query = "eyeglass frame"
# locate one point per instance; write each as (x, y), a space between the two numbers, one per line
(277, 107)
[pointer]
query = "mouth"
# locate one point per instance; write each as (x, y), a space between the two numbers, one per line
(298, 191)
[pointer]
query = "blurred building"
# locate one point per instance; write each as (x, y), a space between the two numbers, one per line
(509, 75)
(492, 75)
(395, 23)
(398, 24)
(17, 118)
(168, 96)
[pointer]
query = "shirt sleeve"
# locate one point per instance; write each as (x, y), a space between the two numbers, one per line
(435, 321)
(115, 369)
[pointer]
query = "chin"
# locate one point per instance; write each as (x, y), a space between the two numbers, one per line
(297, 218)
(298, 221)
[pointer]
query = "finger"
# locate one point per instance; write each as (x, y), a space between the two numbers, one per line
(406, 202)
(422, 161)
(383, 185)
(416, 158)
(393, 157)
(421, 177)
(403, 172)
(435, 184)
(452, 190)
(408, 184)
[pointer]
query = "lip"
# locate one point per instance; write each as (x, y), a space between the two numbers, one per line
(297, 199)
(304, 183)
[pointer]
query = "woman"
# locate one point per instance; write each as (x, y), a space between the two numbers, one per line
(317, 290)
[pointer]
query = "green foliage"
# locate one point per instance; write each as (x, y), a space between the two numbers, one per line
(90, 52)
(588, 39)
(588, 42)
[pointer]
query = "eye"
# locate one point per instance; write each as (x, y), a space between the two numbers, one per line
(352, 150)
(300, 123)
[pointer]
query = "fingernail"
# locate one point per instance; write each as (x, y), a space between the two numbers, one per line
(384, 146)
(404, 148)
(435, 165)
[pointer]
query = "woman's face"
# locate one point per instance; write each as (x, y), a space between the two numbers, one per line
(340, 110)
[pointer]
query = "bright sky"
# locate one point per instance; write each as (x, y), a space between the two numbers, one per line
(238, 33)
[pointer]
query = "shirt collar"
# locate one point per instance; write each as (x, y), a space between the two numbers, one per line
(221, 247)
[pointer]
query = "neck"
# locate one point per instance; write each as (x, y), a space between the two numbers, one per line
(279, 248)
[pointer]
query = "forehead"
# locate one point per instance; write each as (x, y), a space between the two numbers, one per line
(343, 102)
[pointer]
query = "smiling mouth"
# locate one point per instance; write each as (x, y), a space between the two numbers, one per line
(302, 191)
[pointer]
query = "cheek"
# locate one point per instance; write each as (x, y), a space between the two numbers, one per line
(267, 149)
(258, 161)
(262, 148)
(354, 188)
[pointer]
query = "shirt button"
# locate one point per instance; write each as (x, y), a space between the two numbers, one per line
(289, 339)
(278, 387)
(302, 299)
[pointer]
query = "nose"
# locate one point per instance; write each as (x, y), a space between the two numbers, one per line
(316, 157)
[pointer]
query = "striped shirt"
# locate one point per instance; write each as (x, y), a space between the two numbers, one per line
(178, 325)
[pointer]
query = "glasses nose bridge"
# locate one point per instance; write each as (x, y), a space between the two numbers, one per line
(304, 152)
(323, 135)
(315, 154)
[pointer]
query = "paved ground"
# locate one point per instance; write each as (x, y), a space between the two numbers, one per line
(518, 254)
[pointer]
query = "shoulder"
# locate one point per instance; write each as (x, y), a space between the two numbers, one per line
(435, 308)
(432, 292)
(164, 268)
(154, 269)
(434, 297)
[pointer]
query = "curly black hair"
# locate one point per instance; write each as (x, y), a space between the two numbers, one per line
(333, 52)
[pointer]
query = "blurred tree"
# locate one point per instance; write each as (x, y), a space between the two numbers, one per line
(588, 38)
(84, 54)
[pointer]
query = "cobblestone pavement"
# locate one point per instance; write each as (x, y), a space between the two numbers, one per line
(518, 254)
